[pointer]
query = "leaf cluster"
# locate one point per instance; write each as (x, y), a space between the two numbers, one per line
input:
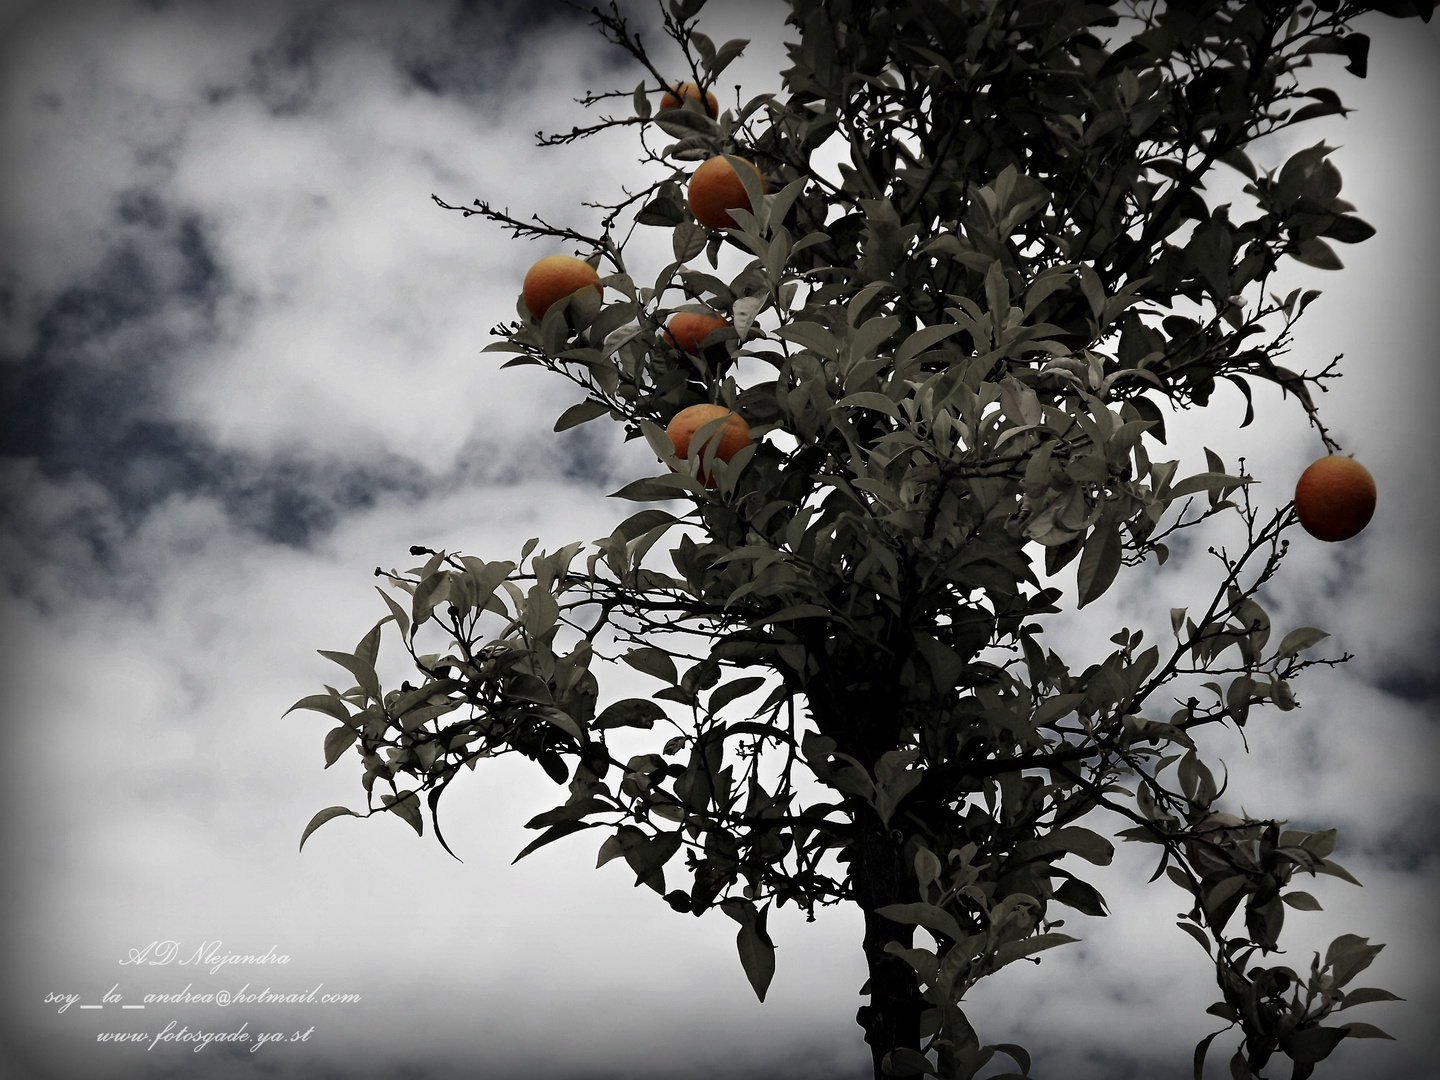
(956, 350)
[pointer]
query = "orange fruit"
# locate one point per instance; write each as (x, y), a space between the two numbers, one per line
(555, 277)
(1335, 498)
(675, 97)
(715, 189)
(687, 330)
(733, 434)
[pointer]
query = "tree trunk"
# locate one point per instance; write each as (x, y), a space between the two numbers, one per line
(892, 1018)
(855, 705)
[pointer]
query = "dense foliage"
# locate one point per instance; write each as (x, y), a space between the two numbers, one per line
(957, 349)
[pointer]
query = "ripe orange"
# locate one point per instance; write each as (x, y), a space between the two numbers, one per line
(733, 434)
(687, 330)
(675, 97)
(555, 277)
(1335, 498)
(715, 189)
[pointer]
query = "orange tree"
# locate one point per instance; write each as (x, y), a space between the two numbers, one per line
(950, 347)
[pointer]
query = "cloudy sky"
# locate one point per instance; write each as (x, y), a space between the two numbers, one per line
(239, 359)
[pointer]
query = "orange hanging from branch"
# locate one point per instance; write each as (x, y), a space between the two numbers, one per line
(1335, 498)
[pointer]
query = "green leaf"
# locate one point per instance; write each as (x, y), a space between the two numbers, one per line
(555, 327)
(363, 671)
(416, 718)
(665, 210)
(925, 338)
(553, 833)
(735, 688)
(1317, 253)
(688, 240)
(725, 54)
(1196, 933)
(1054, 708)
(1020, 1055)
(561, 719)
(402, 620)
(926, 915)
(945, 663)
(1300, 639)
(337, 742)
(1334, 869)
(1021, 405)
(1177, 620)
(328, 814)
(927, 867)
(757, 952)
(1200, 1048)
(406, 806)
(1240, 161)
(611, 318)
(322, 703)
(1310, 1045)
(625, 839)
(658, 488)
(1206, 481)
(1093, 289)
(369, 647)
(871, 335)
(754, 190)
(1014, 950)
(580, 413)
(1357, 1030)
(631, 712)
(893, 781)
(923, 961)
(1211, 250)
(654, 662)
(1099, 562)
(997, 291)
(1090, 846)
(812, 336)
(1224, 1010)
(1082, 896)
(796, 611)
(640, 523)
(486, 578)
(1348, 955)
(1356, 48)
(433, 588)
(1364, 995)
(1237, 697)
(1348, 229)
(785, 198)
(869, 399)
(648, 859)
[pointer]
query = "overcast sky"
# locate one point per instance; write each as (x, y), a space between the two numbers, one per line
(239, 355)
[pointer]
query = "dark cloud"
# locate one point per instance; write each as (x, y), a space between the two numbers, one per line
(88, 401)
(286, 74)
(1408, 846)
(91, 398)
(1413, 684)
(475, 44)
(103, 345)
